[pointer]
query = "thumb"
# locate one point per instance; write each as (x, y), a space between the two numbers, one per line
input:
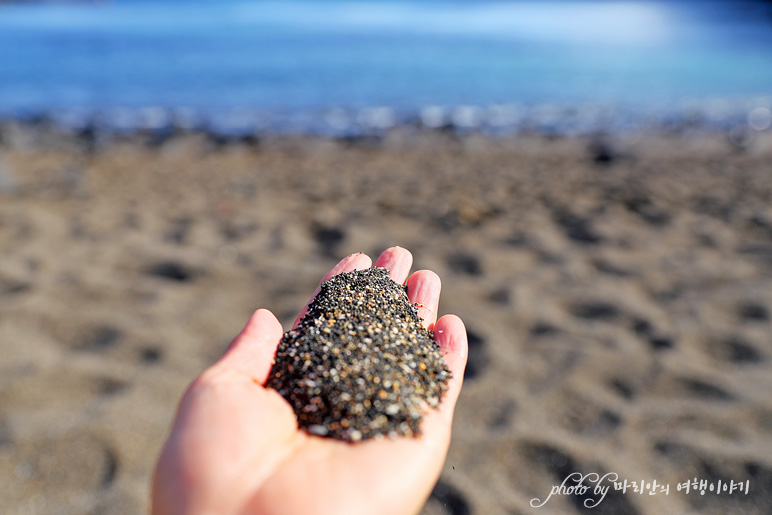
(253, 350)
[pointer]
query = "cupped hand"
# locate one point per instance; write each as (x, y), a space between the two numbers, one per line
(235, 446)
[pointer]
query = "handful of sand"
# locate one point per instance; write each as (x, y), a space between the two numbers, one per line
(360, 363)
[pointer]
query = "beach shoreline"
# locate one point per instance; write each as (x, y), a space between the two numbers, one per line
(737, 117)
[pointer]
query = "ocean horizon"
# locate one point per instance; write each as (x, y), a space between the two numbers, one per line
(333, 64)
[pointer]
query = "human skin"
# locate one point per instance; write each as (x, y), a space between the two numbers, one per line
(235, 446)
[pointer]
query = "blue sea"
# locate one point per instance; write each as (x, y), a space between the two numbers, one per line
(333, 63)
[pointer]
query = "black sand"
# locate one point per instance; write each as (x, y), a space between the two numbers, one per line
(360, 364)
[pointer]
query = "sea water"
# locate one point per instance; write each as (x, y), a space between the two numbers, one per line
(379, 61)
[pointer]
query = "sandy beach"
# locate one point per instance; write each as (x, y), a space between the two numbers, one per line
(617, 292)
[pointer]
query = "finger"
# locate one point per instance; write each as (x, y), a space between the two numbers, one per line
(358, 261)
(423, 289)
(253, 350)
(398, 261)
(450, 334)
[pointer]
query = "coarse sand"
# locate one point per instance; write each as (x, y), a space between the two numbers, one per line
(360, 363)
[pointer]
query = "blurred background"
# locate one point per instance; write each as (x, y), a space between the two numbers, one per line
(592, 180)
(341, 66)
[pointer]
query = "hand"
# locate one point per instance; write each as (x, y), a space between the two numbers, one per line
(235, 446)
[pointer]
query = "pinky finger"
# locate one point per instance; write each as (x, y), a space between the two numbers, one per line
(450, 335)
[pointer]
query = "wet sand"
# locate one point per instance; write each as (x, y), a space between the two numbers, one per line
(617, 293)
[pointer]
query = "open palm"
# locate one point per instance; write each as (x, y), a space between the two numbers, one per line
(235, 446)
